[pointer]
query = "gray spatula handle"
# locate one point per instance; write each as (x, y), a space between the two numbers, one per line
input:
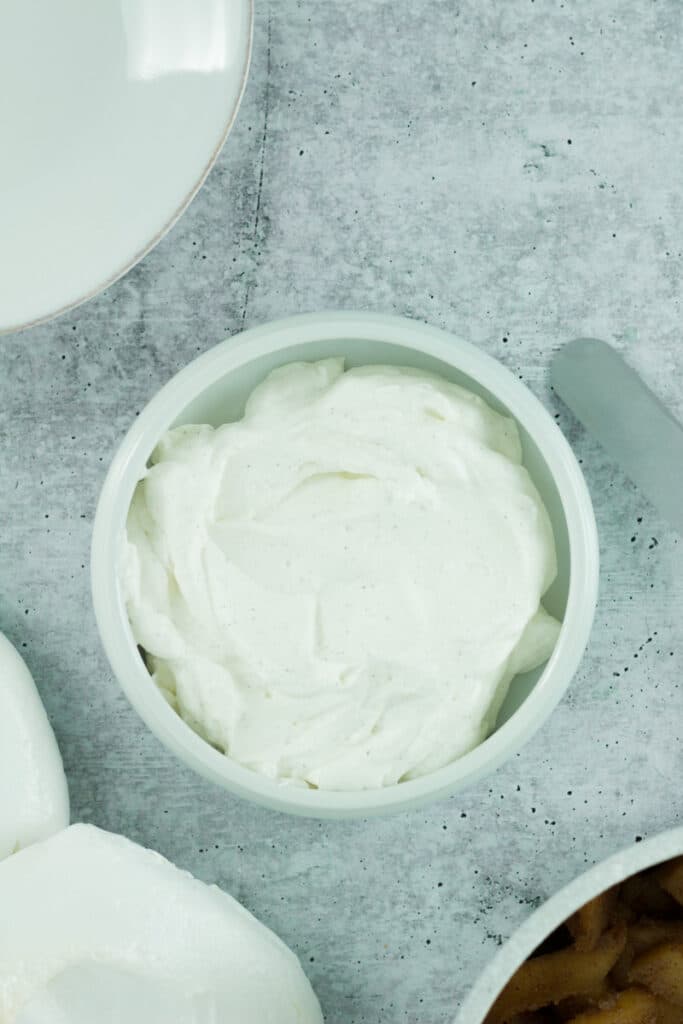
(614, 404)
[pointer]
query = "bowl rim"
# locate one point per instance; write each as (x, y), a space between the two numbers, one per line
(556, 909)
(164, 408)
(175, 214)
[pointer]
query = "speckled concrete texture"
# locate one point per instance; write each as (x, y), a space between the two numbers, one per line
(512, 172)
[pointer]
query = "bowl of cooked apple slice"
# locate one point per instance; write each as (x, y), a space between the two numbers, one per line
(607, 949)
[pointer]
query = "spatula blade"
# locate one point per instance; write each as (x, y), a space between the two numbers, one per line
(628, 419)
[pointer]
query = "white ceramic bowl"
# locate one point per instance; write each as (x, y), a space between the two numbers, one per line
(112, 113)
(213, 390)
(556, 910)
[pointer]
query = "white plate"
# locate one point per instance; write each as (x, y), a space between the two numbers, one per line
(111, 115)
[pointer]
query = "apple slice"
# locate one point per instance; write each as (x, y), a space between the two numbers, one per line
(34, 799)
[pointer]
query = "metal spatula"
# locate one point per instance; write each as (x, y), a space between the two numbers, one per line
(628, 419)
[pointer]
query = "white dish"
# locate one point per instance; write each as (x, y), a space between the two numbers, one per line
(213, 390)
(111, 116)
(556, 910)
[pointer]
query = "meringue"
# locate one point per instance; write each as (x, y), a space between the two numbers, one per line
(85, 906)
(34, 799)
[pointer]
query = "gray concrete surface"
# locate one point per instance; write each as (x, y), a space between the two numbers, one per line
(512, 172)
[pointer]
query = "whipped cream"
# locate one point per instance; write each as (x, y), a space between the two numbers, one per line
(338, 589)
(85, 905)
(34, 799)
